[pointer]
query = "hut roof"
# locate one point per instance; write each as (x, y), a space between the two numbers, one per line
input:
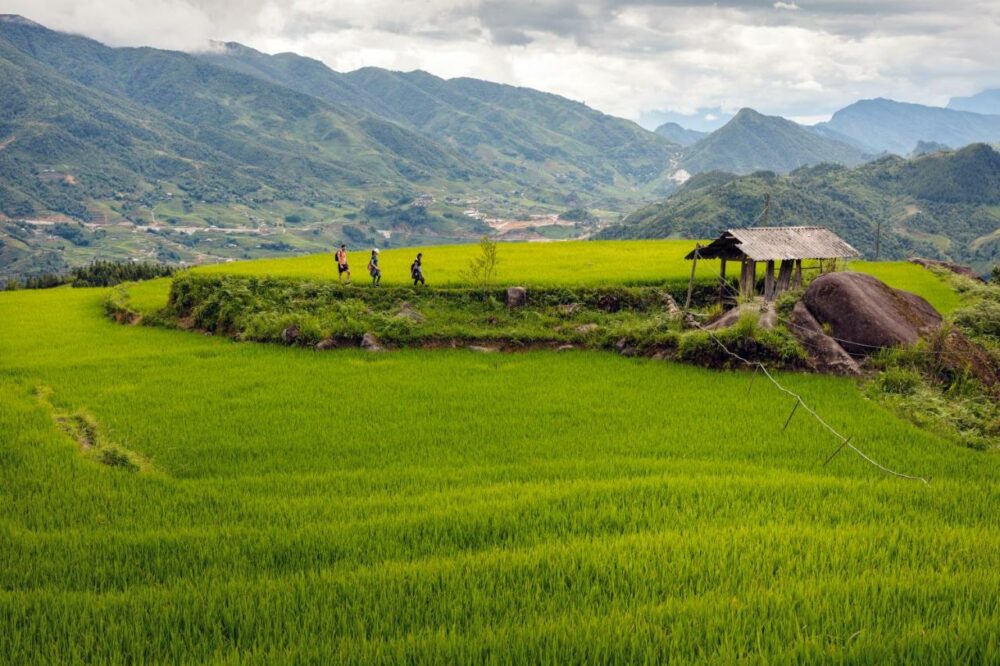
(776, 243)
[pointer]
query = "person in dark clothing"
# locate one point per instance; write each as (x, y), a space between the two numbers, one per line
(374, 270)
(417, 270)
(342, 266)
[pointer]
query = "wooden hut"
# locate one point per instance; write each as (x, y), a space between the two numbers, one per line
(788, 245)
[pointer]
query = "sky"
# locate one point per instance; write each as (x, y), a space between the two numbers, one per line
(692, 62)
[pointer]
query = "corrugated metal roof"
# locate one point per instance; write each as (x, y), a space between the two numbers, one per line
(776, 243)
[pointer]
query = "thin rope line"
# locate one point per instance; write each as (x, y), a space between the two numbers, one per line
(845, 441)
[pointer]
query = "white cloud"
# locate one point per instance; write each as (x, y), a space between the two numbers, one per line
(626, 57)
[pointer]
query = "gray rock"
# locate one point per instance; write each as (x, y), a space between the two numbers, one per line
(517, 297)
(370, 342)
(825, 354)
(569, 309)
(290, 334)
(562, 348)
(766, 319)
(410, 313)
(328, 343)
(583, 329)
(609, 303)
(864, 314)
(482, 350)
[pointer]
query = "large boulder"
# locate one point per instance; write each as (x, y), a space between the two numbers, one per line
(864, 314)
(825, 354)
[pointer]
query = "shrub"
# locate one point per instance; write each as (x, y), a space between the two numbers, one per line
(901, 381)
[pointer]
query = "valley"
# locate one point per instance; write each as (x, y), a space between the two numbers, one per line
(232, 153)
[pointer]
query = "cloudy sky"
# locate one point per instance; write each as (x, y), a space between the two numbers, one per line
(642, 60)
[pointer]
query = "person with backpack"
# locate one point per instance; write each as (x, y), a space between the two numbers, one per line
(417, 270)
(342, 266)
(374, 270)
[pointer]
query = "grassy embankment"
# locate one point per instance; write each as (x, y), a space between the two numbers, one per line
(454, 506)
(583, 263)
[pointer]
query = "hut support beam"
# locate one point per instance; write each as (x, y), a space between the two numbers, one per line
(694, 264)
(784, 276)
(769, 282)
(797, 275)
(722, 279)
(748, 279)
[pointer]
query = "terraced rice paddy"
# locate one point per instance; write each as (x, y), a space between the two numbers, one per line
(458, 507)
(569, 263)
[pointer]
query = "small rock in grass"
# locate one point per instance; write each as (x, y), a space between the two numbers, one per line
(370, 342)
(290, 334)
(609, 303)
(569, 309)
(562, 348)
(621, 344)
(410, 313)
(482, 350)
(517, 297)
(328, 343)
(586, 328)
(630, 351)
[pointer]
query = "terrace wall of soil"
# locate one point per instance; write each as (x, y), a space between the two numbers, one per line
(629, 320)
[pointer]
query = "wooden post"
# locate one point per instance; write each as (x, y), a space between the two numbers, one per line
(748, 280)
(722, 279)
(784, 275)
(797, 275)
(694, 264)
(769, 281)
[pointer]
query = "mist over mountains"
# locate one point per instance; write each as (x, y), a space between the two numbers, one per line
(233, 153)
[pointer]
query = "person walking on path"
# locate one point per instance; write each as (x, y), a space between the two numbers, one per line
(342, 266)
(374, 270)
(417, 270)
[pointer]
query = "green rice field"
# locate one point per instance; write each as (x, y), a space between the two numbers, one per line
(566, 263)
(455, 507)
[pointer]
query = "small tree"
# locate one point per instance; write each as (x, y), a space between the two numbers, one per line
(483, 267)
(995, 275)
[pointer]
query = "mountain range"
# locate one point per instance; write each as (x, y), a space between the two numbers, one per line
(233, 153)
(941, 205)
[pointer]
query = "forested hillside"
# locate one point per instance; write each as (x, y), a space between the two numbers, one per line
(752, 141)
(940, 205)
(525, 133)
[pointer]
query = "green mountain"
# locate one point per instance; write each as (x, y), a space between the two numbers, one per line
(682, 136)
(897, 127)
(942, 205)
(752, 142)
(140, 152)
(987, 101)
(532, 136)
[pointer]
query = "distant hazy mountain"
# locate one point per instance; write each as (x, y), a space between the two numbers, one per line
(546, 138)
(701, 120)
(939, 205)
(926, 147)
(752, 142)
(886, 125)
(988, 102)
(680, 135)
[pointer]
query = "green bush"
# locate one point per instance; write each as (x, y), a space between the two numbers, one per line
(901, 381)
